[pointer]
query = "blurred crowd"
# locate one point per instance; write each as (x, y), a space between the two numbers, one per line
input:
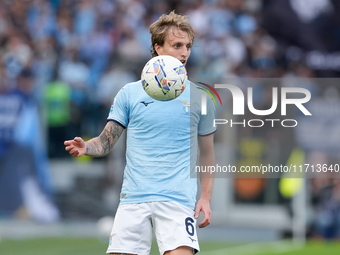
(70, 57)
(81, 52)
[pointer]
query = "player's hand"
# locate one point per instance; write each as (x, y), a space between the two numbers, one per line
(204, 206)
(75, 147)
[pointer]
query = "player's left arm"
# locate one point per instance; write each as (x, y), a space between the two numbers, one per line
(206, 158)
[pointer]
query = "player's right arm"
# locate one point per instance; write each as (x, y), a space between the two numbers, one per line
(98, 146)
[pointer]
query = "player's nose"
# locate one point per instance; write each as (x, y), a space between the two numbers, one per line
(185, 52)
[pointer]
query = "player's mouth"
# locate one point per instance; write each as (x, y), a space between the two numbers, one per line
(183, 61)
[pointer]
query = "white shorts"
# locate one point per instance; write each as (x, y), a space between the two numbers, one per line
(174, 226)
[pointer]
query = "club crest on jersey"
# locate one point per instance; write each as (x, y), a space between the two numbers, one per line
(186, 106)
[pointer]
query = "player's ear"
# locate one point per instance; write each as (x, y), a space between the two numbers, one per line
(158, 49)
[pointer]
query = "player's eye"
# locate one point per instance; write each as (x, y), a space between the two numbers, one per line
(189, 46)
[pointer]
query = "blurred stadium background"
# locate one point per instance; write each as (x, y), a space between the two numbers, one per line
(62, 62)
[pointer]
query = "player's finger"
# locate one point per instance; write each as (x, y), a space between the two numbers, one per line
(67, 142)
(67, 148)
(204, 223)
(75, 154)
(207, 217)
(73, 150)
(197, 213)
(77, 139)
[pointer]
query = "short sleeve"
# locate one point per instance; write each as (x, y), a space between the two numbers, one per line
(206, 123)
(119, 111)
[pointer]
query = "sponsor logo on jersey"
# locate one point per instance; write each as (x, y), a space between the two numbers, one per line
(146, 103)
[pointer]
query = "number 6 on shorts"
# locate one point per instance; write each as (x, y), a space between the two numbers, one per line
(189, 227)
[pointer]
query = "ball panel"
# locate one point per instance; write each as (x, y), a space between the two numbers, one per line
(164, 78)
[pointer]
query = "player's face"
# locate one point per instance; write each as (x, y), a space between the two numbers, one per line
(177, 44)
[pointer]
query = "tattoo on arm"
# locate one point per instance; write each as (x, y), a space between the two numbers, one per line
(102, 145)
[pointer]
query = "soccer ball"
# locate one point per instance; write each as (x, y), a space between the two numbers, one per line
(164, 78)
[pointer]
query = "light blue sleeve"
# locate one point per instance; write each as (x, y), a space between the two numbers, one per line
(206, 123)
(119, 111)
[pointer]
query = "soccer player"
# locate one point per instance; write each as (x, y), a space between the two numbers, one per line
(162, 138)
